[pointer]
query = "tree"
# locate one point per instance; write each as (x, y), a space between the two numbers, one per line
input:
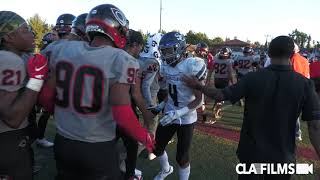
(299, 37)
(195, 38)
(257, 44)
(309, 41)
(39, 27)
(217, 40)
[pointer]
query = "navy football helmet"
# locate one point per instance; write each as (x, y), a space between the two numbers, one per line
(248, 50)
(63, 24)
(172, 47)
(49, 38)
(225, 53)
(79, 26)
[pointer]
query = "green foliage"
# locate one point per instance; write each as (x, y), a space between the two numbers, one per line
(309, 42)
(194, 38)
(40, 27)
(300, 38)
(257, 44)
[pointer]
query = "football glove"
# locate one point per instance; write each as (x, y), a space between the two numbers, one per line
(157, 109)
(37, 71)
(173, 115)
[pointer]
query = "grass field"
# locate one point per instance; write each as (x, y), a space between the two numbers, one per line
(212, 157)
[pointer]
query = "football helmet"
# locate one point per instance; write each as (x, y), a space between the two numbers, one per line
(247, 50)
(202, 50)
(109, 20)
(172, 47)
(63, 24)
(49, 38)
(225, 53)
(79, 26)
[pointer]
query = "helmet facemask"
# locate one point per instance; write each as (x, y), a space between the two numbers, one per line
(170, 54)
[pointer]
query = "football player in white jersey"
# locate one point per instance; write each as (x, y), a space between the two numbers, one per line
(245, 63)
(180, 105)
(149, 67)
(223, 75)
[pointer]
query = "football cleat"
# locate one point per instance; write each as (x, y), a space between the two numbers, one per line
(163, 174)
(44, 143)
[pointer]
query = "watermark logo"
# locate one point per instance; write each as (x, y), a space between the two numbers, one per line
(270, 168)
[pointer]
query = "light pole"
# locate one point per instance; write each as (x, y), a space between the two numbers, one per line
(160, 16)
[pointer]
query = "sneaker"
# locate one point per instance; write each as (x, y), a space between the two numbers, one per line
(211, 121)
(299, 138)
(163, 174)
(151, 156)
(123, 166)
(171, 141)
(137, 175)
(36, 169)
(44, 143)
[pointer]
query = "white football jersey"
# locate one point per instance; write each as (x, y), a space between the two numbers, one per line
(221, 67)
(150, 49)
(245, 64)
(179, 94)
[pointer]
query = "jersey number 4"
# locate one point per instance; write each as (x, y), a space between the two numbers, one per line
(174, 94)
(85, 76)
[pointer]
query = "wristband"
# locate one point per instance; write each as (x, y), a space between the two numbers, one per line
(182, 111)
(34, 84)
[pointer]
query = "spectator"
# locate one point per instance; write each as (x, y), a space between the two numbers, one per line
(300, 65)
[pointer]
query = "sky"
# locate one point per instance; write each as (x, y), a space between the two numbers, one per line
(253, 20)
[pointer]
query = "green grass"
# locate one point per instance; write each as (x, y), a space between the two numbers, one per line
(212, 158)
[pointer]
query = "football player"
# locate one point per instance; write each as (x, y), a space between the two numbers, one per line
(63, 29)
(149, 66)
(180, 105)
(202, 51)
(63, 25)
(92, 83)
(78, 28)
(133, 47)
(223, 75)
(17, 99)
(41, 124)
(48, 38)
(245, 63)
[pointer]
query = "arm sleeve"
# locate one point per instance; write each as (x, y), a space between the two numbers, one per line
(237, 91)
(149, 74)
(311, 105)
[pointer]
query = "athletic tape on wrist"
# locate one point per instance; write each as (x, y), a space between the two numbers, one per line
(34, 84)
